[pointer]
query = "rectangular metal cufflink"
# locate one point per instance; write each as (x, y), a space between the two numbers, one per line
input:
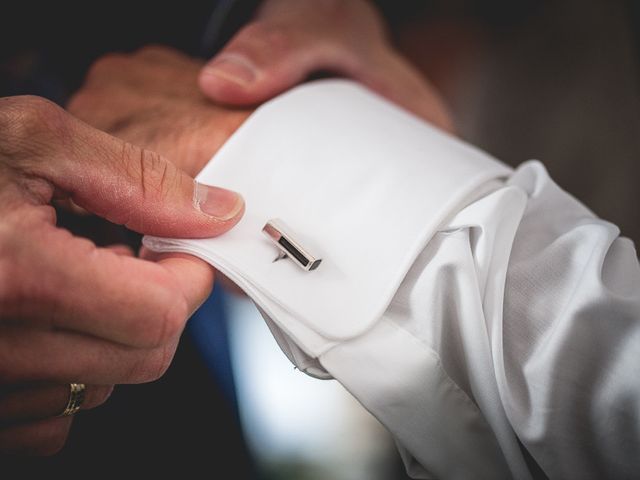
(282, 237)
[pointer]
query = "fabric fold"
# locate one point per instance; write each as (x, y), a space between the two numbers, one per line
(354, 174)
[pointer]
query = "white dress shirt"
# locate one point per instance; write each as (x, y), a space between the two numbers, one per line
(489, 320)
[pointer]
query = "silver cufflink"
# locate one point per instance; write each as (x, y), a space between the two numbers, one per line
(282, 237)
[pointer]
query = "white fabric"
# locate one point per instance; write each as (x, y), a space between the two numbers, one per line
(489, 320)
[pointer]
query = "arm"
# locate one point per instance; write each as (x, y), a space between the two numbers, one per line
(290, 40)
(494, 311)
(453, 298)
(562, 321)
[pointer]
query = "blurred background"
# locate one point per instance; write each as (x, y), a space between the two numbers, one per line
(299, 427)
(554, 80)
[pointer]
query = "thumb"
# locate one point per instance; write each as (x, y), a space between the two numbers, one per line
(262, 61)
(137, 188)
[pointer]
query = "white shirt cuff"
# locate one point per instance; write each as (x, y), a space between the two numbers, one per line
(365, 182)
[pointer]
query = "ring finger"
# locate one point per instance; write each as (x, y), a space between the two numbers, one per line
(45, 401)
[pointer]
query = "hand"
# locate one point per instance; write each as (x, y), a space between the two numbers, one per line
(292, 39)
(74, 313)
(151, 98)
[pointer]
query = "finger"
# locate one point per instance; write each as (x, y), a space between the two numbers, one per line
(185, 269)
(141, 72)
(396, 79)
(58, 281)
(121, 249)
(45, 401)
(67, 204)
(116, 180)
(263, 61)
(194, 276)
(30, 355)
(42, 437)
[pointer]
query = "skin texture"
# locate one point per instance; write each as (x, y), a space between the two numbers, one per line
(66, 309)
(289, 40)
(150, 98)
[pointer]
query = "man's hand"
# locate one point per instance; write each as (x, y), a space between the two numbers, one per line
(291, 39)
(74, 313)
(151, 98)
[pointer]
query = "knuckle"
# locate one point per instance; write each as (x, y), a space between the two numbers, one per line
(157, 175)
(165, 316)
(174, 320)
(80, 102)
(168, 322)
(155, 51)
(105, 66)
(139, 371)
(151, 49)
(163, 361)
(154, 365)
(29, 122)
(35, 111)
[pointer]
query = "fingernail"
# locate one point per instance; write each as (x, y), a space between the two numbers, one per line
(234, 68)
(217, 202)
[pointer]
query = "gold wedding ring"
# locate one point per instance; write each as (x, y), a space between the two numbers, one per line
(76, 397)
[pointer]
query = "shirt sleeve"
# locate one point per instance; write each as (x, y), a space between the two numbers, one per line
(530, 307)
(489, 320)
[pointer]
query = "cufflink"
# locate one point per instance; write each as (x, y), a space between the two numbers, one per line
(283, 238)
